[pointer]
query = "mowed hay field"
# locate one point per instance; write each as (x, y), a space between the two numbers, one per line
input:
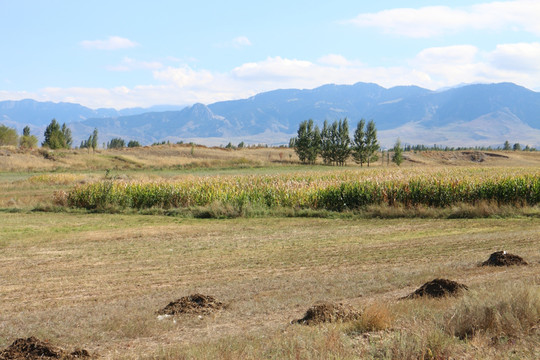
(98, 280)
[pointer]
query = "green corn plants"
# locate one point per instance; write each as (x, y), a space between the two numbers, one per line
(336, 191)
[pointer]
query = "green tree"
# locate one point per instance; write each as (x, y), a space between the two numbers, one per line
(397, 157)
(67, 136)
(372, 144)
(506, 145)
(133, 143)
(359, 147)
(94, 141)
(327, 150)
(116, 143)
(516, 147)
(342, 142)
(307, 143)
(27, 141)
(57, 137)
(8, 136)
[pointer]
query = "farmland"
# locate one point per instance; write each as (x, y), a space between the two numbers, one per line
(95, 277)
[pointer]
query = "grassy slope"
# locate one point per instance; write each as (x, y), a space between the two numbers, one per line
(97, 280)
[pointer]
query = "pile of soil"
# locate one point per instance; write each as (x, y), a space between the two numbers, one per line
(192, 304)
(437, 288)
(328, 312)
(502, 258)
(32, 348)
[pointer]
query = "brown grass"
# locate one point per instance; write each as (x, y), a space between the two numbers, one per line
(97, 280)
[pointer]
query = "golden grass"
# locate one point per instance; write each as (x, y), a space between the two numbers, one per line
(97, 281)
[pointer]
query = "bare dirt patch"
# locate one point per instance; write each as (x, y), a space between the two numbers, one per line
(32, 348)
(437, 288)
(192, 304)
(328, 312)
(502, 258)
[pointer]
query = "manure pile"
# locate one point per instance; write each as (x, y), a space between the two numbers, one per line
(192, 304)
(34, 349)
(502, 258)
(437, 288)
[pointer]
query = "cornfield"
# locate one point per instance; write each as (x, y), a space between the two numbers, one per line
(339, 191)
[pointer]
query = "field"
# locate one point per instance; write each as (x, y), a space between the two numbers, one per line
(97, 278)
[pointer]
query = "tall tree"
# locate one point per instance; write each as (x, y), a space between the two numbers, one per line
(507, 146)
(94, 140)
(307, 143)
(326, 143)
(359, 143)
(343, 141)
(372, 144)
(68, 141)
(397, 157)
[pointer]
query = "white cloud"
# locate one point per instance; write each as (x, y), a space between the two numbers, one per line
(335, 60)
(112, 43)
(237, 43)
(520, 56)
(129, 64)
(431, 68)
(241, 41)
(437, 20)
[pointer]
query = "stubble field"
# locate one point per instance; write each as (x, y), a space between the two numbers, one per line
(97, 280)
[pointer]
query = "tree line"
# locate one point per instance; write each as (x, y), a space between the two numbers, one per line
(333, 142)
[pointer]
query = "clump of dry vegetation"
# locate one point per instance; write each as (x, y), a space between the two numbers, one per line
(511, 313)
(325, 311)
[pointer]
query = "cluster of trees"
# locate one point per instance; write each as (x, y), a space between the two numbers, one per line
(118, 143)
(91, 143)
(507, 146)
(517, 147)
(333, 142)
(9, 136)
(57, 137)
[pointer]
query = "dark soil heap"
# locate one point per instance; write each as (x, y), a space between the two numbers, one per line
(32, 348)
(192, 304)
(502, 258)
(437, 288)
(328, 312)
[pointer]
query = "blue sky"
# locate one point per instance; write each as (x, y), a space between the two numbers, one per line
(121, 54)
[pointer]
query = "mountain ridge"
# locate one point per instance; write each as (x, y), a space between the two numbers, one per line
(414, 114)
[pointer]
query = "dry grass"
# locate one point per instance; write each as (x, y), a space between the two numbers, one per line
(97, 280)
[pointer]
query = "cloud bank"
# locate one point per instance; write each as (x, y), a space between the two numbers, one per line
(430, 21)
(432, 68)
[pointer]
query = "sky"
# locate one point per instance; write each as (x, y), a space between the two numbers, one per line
(136, 53)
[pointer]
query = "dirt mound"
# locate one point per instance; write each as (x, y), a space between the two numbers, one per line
(328, 312)
(192, 304)
(32, 348)
(437, 288)
(502, 258)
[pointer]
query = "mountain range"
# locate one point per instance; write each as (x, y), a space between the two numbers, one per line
(470, 115)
